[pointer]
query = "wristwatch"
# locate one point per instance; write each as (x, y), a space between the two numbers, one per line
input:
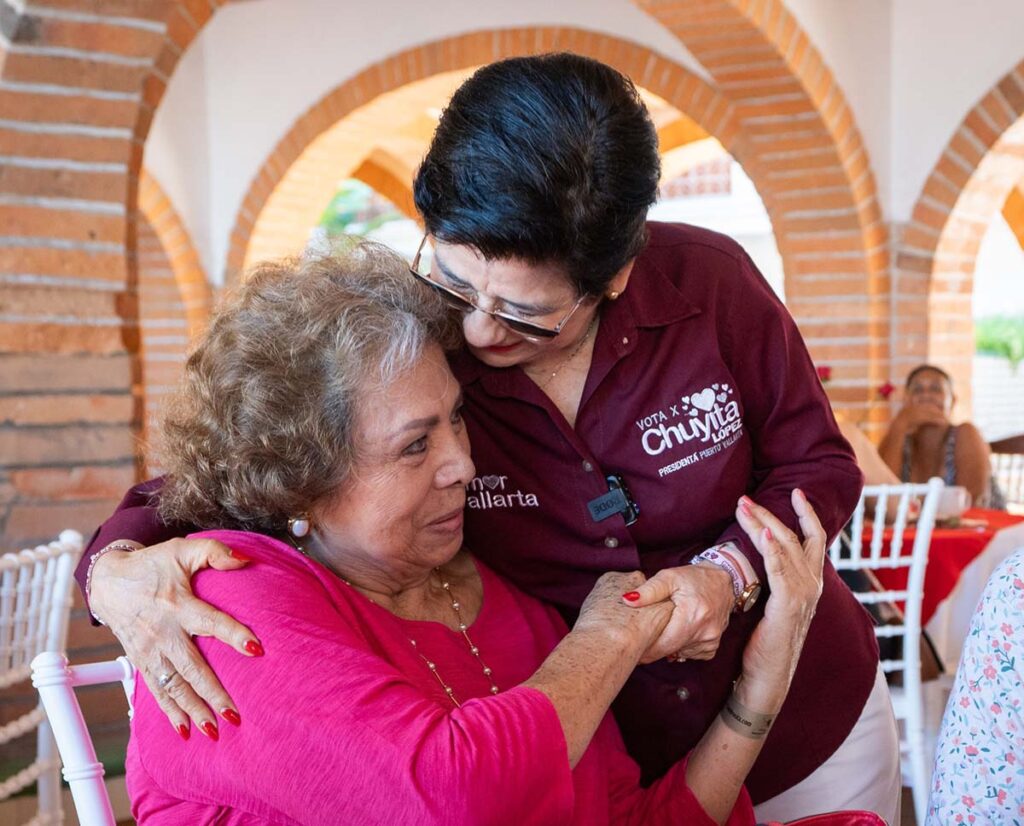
(745, 593)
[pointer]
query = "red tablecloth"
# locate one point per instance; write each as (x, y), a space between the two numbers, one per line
(952, 550)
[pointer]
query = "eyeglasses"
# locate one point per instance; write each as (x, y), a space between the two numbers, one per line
(458, 301)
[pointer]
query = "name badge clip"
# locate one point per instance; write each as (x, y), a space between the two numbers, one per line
(617, 500)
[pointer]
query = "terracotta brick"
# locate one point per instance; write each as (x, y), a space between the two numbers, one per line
(980, 127)
(810, 179)
(33, 446)
(30, 300)
(953, 170)
(995, 107)
(850, 307)
(49, 409)
(825, 264)
(64, 339)
(63, 183)
(813, 138)
(1013, 93)
(824, 223)
(827, 243)
(739, 56)
(753, 73)
(135, 9)
(809, 160)
(87, 74)
(68, 224)
(97, 37)
(75, 148)
(839, 286)
(76, 109)
(929, 216)
(28, 373)
(966, 149)
(73, 483)
(62, 263)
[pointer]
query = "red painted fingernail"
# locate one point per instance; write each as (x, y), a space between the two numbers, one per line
(210, 730)
(745, 508)
(238, 555)
(631, 596)
(768, 535)
(254, 648)
(183, 731)
(231, 716)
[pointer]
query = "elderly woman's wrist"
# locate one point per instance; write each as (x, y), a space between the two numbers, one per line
(763, 694)
(100, 564)
(613, 640)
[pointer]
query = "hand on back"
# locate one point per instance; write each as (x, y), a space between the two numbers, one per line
(146, 599)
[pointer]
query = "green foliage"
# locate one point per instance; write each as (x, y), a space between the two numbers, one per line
(1000, 336)
(356, 209)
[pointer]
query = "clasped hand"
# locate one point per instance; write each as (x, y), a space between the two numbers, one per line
(702, 596)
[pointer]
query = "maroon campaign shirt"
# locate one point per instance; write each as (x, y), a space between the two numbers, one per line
(700, 390)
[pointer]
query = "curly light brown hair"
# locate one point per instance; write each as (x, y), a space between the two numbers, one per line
(262, 427)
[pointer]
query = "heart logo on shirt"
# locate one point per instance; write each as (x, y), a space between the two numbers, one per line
(704, 400)
(491, 481)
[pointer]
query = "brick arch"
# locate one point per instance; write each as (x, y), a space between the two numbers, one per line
(812, 172)
(665, 78)
(938, 247)
(174, 304)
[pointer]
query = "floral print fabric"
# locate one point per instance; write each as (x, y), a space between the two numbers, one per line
(979, 760)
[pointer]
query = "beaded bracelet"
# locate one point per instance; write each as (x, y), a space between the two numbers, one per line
(113, 546)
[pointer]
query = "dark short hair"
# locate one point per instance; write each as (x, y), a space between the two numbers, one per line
(550, 159)
(922, 367)
(263, 426)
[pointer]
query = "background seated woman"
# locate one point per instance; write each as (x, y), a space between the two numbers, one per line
(922, 441)
(395, 679)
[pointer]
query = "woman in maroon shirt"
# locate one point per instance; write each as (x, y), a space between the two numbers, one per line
(625, 383)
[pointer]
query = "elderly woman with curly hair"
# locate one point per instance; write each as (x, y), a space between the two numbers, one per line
(396, 679)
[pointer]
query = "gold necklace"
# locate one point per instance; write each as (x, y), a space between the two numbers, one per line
(463, 629)
(571, 355)
(473, 649)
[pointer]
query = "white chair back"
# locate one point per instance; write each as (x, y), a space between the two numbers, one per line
(850, 552)
(56, 682)
(35, 603)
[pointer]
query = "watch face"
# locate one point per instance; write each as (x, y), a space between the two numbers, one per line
(749, 597)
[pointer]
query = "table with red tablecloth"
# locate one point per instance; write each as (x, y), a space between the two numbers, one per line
(960, 560)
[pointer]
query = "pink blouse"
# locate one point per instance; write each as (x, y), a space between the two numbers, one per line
(343, 722)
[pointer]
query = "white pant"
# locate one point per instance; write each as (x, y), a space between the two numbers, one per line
(863, 773)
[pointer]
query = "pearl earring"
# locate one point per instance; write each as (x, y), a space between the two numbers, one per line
(298, 526)
(613, 295)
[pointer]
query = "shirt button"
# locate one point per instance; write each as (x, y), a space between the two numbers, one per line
(611, 542)
(683, 693)
(587, 466)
